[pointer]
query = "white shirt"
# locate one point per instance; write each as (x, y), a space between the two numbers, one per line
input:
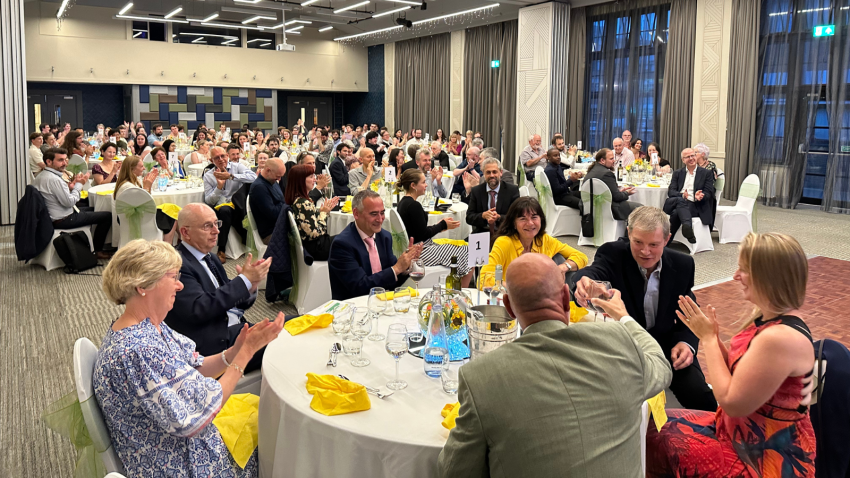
(234, 314)
(625, 158)
(567, 159)
(35, 156)
(689, 184)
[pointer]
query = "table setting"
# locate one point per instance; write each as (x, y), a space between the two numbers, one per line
(339, 220)
(650, 190)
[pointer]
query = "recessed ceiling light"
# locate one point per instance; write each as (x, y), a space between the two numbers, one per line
(211, 17)
(258, 17)
(309, 2)
(326, 29)
(294, 29)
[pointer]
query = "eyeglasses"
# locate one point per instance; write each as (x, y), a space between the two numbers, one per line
(177, 276)
(207, 227)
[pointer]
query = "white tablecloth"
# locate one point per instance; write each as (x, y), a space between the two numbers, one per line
(198, 169)
(338, 221)
(649, 196)
(399, 436)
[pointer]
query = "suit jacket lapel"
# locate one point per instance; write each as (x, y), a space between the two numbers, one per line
(501, 198)
(361, 248)
(190, 260)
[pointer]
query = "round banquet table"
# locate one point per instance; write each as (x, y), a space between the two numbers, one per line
(649, 196)
(198, 169)
(105, 202)
(400, 435)
(339, 220)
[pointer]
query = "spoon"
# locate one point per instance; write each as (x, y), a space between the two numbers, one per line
(335, 348)
(374, 391)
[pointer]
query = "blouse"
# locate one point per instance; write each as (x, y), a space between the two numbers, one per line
(415, 220)
(96, 169)
(506, 249)
(312, 223)
(159, 408)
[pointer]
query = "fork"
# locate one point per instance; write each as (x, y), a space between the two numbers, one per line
(374, 391)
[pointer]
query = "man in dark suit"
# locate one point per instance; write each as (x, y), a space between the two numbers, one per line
(361, 255)
(338, 171)
(603, 170)
(650, 279)
(266, 198)
(210, 307)
(438, 156)
(691, 193)
(564, 191)
(488, 202)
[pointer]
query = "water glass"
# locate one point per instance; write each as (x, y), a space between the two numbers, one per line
(361, 326)
(376, 308)
(598, 290)
(455, 198)
(341, 323)
(449, 376)
(401, 300)
(351, 345)
(396, 346)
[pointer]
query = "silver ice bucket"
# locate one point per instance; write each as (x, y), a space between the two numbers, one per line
(489, 327)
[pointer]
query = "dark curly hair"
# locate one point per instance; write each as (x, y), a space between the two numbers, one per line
(518, 208)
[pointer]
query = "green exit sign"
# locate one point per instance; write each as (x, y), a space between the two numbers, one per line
(824, 30)
(494, 64)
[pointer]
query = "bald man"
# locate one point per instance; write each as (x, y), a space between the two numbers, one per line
(548, 403)
(360, 178)
(623, 156)
(266, 198)
(533, 156)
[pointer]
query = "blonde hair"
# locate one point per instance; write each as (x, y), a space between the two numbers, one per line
(139, 264)
(778, 271)
(125, 174)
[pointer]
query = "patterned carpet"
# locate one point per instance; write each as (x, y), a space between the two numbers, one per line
(43, 313)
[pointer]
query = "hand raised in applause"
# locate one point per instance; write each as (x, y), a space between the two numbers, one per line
(255, 272)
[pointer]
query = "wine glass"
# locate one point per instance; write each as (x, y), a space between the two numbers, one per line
(417, 273)
(376, 308)
(598, 290)
(486, 281)
(361, 326)
(401, 300)
(396, 346)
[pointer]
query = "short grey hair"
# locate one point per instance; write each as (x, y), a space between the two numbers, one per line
(422, 152)
(648, 218)
(436, 143)
(490, 161)
(139, 264)
(478, 142)
(490, 152)
(357, 202)
(702, 148)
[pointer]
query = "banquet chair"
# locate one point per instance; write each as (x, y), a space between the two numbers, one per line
(255, 234)
(523, 191)
(313, 278)
(234, 248)
(453, 162)
(719, 184)
(703, 236)
(560, 220)
(606, 228)
(77, 164)
(400, 243)
(139, 205)
(115, 475)
(735, 222)
(85, 355)
(49, 259)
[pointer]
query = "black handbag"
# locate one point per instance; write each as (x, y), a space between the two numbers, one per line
(75, 251)
(587, 219)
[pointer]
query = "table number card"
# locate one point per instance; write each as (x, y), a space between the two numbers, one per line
(389, 175)
(654, 159)
(172, 156)
(479, 249)
(578, 144)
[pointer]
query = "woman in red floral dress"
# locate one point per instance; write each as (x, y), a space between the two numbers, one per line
(761, 427)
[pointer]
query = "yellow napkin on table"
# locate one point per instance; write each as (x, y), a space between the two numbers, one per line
(107, 192)
(447, 175)
(389, 295)
(300, 324)
(170, 210)
(449, 413)
(434, 212)
(656, 408)
(454, 242)
(445, 201)
(334, 396)
(653, 185)
(346, 208)
(576, 312)
(237, 423)
(225, 204)
(84, 194)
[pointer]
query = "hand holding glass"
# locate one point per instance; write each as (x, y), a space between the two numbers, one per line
(598, 290)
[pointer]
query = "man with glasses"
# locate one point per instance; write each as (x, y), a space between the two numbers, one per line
(691, 194)
(210, 308)
(220, 184)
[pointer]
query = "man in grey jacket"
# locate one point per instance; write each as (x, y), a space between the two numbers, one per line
(562, 400)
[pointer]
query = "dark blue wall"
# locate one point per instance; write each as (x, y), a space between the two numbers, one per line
(283, 96)
(101, 103)
(368, 107)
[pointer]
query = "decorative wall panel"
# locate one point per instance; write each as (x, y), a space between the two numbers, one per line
(14, 170)
(533, 73)
(456, 87)
(389, 85)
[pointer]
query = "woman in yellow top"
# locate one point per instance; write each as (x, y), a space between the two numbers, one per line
(524, 230)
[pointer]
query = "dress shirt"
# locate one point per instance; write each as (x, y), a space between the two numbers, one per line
(495, 199)
(690, 176)
(234, 314)
(152, 137)
(567, 159)
(363, 236)
(529, 153)
(215, 196)
(358, 181)
(651, 288)
(624, 159)
(58, 198)
(35, 156)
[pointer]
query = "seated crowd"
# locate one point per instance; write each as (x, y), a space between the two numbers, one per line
(183, 325)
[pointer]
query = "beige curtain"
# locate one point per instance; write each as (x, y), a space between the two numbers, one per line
(422, 79)
(575, 77)
(674, 129)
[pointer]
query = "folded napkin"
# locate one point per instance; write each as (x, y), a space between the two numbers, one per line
(225, 204)
(170, 210)
(237, 422)
(656, 408)
(447, 175)
(449, 413)
(334, 396)
(445, 201)
(576, 312)
(300, 324)
(435, 212)
(653, 185)
(389, 295)
(84, 194)
(346, 207)
(107, 192)
(454, 242)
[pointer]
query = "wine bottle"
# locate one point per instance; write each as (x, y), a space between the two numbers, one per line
(453, 279)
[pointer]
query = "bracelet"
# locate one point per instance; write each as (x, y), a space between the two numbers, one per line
(238, 369)
(223, 359)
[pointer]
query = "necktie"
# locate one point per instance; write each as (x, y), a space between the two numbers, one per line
(373, 254)
(213, 269)
(492, 206)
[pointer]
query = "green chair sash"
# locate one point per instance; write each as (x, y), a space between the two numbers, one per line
(520, 175)
(77, 168)
(544, 194)
(65, 417)
(294, 241)
(599, 201)
(134, 215)
(252, 246)
(148, 165)
(753, 191)
(400, 242)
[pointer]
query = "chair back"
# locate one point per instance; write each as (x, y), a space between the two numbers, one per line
(259, 248)
(523, 191)
(749, 192)
(399, 233)
(453, 162)
(520, 174)
(85, 356)
(301, 272)
(77, 164)
(136, 212)
(719, 184)
(544, 196)
(602, 216)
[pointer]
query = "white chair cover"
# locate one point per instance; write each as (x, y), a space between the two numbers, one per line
(523, 191)
(234, 248)
(313, 278)
(136, 212)
(560, 220)
(254, 239)
(85, 355)
(48, 258)
(400, 242)
(702, 234)
(735, 222)
(606, 228)
(453, 161)
(77, 164)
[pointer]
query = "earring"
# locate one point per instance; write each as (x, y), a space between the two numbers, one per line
(143, 294)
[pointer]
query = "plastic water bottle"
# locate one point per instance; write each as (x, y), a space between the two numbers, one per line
(436, 352)
(162, 182)
(432, 202)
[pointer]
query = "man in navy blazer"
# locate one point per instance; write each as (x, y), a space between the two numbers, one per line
(338, 171)
(210, 307)
(266, 198)
(691, 193)
(353, 268)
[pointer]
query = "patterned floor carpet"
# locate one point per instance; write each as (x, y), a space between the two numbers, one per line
(43, 313)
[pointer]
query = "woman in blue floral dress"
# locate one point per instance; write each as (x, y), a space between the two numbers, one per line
(158, 396)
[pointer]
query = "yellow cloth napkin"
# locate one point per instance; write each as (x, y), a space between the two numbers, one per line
(225, 204)
(346, 208)
(447, 175)
(390, 295)
(300, 324)
(454, 242)
(576, 312)
(653, 185)
(656, 408)
(84, 194)
(434, 212)
(237, 422)
(445, 201)
(107, 192)
(449, 413)
(170, 210)
(334, 396)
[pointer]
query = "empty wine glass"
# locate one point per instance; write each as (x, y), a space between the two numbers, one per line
(598, 290)
(376, 308)
(361, 326)
(396, 346)
(417, 273)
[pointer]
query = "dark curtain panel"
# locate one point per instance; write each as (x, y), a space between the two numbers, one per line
(626, 45)
(573, 131)
(741, 104)
(422, 80)
(489, 94)
(674, 129)
(803, 123)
